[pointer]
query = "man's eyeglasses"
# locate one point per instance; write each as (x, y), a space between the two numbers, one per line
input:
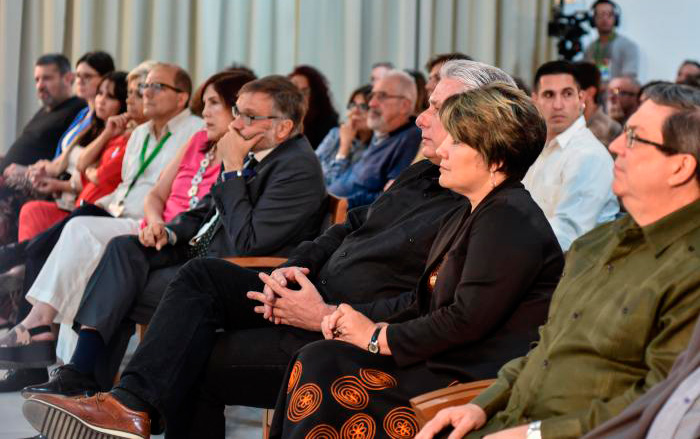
(157, 87)
(381, 96)
(631, 137)
(248, 119)
(362, 107)
(617, 92)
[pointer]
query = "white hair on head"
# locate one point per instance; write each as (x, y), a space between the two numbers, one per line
(474, 74)
(406, 83)
(141, 71)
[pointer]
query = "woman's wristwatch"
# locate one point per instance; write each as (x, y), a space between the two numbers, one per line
(533, 430)
(373, 345)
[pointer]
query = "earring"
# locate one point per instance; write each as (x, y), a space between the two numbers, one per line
(493, 182)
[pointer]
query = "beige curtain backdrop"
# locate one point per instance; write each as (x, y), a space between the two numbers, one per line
(342, 38)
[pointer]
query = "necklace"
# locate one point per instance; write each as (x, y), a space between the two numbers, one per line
(198, 177)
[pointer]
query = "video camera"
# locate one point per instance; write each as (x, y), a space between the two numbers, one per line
(568, 29)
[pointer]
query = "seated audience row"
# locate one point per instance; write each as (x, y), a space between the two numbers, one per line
(370, 251)
(269, 196)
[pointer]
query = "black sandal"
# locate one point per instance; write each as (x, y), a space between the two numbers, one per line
(20, 352)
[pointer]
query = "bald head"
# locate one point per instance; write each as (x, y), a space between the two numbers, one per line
(392, 101)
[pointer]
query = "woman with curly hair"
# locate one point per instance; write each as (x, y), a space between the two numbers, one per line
(320, 115)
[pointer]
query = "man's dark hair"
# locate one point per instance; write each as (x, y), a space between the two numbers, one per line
(102, 62)
(681, 131)
(556, 68)
(286, 97)
(442, 58)
(677, 96)
(183, 81)
(643, 89)
(589, 76)
(57, 59)
(690, 62)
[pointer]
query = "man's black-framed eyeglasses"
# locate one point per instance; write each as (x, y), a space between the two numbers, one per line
(247, 118)
(631, 137)
(158, 87)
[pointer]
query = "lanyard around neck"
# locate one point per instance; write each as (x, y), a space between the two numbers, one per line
(598, 54)
(145, 161)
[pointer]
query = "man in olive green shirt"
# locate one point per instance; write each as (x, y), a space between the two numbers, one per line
(628, 300)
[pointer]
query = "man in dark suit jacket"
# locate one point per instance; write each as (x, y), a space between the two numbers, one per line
(270, 197)
(380, 251)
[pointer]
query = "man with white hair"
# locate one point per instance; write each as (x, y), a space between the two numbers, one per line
(394, 143)
(378, 252)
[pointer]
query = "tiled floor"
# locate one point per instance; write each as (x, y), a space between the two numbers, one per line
(241, 422)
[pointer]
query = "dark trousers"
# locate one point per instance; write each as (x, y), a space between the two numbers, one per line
(174, 362)
(125, 288)
(39, 248)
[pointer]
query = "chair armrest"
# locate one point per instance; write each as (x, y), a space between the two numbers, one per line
(256, 261)
(428, 404)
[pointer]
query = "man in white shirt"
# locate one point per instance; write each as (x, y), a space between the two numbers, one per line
(57, 274)
(571, 180)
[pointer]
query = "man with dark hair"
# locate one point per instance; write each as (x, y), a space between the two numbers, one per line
(628, 301)
(434, 65)
(601, 125)
(571, 178)
(613, 54)
(688, 69)
(53, 81)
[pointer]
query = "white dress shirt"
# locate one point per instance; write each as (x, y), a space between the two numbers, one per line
(571, 181)
(181, 127)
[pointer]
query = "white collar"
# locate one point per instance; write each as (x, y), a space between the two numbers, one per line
(565, 137)
(172, 124)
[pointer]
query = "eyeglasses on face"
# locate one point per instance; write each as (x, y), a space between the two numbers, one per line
(362, 107)
(631, 137)
(623, 93)
(247, 118)
(157, 87)
(382, 96)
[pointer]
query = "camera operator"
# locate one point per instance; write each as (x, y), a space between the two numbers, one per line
(613, 54)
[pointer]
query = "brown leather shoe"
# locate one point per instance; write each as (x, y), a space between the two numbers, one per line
(60, 417)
